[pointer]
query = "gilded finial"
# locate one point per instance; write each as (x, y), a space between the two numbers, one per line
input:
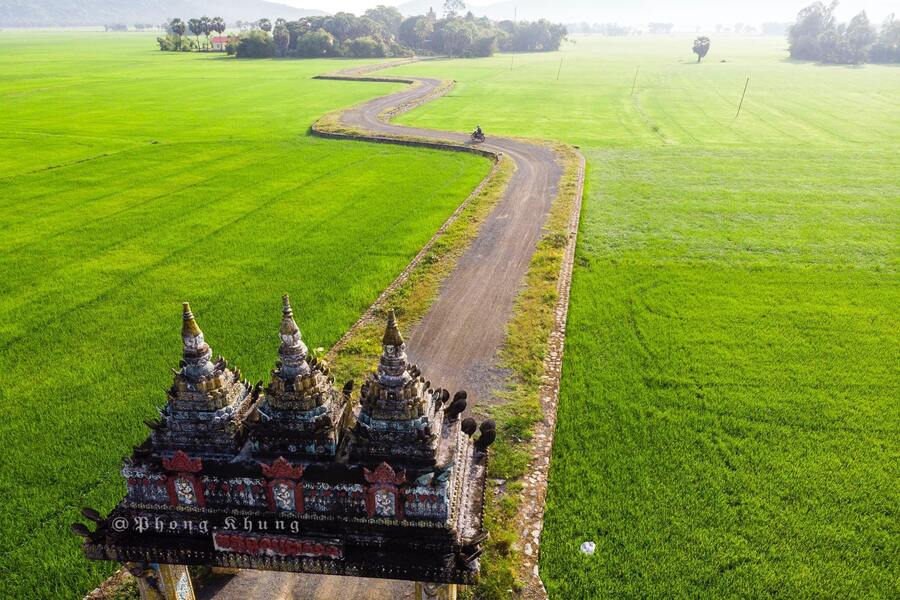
(392, 335)
(189, 326)
(197, 353)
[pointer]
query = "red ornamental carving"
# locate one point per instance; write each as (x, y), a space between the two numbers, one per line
(182, 463)
(276, 546)
(384, 474)
(282, 469)
(196, 485)
(281, 472)
(385, 479)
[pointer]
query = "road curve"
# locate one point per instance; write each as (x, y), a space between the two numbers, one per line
(456, 343)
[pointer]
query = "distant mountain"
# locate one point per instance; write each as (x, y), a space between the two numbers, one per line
(499, 11)
(70, 13)
(686, 14)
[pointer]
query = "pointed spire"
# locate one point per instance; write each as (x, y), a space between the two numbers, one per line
(189, 328)
(293, 351)
(196, 351)
(392, 335)
(288, 325)
(392, 365)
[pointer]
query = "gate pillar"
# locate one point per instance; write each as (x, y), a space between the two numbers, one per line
(435, 591)
(163, 582)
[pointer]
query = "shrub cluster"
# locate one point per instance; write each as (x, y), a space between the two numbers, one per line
(818, 36)
(342, 34)
(253, 44)
(471, 36)
(379, 32)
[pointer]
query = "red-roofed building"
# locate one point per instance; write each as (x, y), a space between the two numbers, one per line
(219, 42)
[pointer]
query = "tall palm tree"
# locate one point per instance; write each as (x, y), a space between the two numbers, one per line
(178, 28)
(218, 25)
(206, 26)
(196, 28)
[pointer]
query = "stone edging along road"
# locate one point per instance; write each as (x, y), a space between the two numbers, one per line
(458, 340)
(522, 210)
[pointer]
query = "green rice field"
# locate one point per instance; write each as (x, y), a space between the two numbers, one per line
(132, 179)
(729, 422)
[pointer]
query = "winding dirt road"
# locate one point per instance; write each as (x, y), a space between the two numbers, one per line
(456, 343)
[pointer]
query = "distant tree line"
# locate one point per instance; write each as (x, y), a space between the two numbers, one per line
(614, 29)
(174, 40)
(818, 36)
(136, 27)
(774, 28)
(610, 29)
(379, 32)
(738, 28)
(664, 28)
(382, 31)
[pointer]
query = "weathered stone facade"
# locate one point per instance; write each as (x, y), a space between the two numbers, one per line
(298, 476)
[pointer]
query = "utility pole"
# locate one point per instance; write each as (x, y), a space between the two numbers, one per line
(634, 83)
(746, 85)
(512, 62)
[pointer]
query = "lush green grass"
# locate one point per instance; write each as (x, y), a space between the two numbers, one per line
(131, 180)
(729, 423)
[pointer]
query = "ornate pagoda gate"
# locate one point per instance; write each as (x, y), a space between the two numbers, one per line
(299, 477)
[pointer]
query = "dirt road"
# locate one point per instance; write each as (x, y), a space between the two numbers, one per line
(456, 343)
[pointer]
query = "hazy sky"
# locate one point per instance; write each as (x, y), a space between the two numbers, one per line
(686, 13)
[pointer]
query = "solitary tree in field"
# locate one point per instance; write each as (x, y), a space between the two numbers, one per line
(701, 47)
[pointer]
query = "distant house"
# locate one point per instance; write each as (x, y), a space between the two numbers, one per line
(219, 42)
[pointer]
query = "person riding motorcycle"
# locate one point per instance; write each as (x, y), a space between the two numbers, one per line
(478, 134)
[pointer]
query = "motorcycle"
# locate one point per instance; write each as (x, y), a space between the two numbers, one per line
(477, 137)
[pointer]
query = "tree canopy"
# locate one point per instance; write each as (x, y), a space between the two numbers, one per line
(380, 31)
(256, 44)
(701, 47)
(816, 35)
